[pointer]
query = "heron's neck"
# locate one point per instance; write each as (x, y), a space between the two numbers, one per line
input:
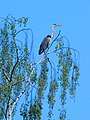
(52, 35)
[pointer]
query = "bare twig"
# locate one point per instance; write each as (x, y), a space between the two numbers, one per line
(5, 20)
(54, 40)
(22, 31)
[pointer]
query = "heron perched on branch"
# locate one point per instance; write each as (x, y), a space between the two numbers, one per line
(45, 43)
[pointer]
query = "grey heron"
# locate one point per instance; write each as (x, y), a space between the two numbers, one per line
(45, 43)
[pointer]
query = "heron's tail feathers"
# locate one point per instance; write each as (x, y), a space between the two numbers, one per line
(40, 51)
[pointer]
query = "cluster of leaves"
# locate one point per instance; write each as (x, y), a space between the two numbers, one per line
(51, 96)
(67, 73)
(35, 110)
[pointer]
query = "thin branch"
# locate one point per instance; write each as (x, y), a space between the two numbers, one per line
(5, 20)
(54, 51)
(31, 41)
(2, 85)
(40, 60)
(5, 74)
(3, 112)
(17, 82)
(22, 31)
(65, 39)
(50, 62)
(54, 40)
(14, 66)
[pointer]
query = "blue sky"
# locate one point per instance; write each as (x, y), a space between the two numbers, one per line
(74, 15)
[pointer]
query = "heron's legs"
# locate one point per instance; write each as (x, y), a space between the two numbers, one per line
(46, 56)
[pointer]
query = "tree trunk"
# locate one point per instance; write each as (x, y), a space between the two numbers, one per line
(9, 114)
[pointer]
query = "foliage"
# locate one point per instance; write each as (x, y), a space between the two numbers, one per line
(18, 72)
(14, 62)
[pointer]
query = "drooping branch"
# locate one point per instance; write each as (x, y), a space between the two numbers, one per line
(74, 50)
(5, 20)
(22, 31)
(52, 68)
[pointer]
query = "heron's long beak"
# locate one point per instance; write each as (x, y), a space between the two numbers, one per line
(54, 25)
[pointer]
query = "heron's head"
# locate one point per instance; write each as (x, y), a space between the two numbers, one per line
(54, 25)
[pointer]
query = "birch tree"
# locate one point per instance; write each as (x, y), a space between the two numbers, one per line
(35, 81)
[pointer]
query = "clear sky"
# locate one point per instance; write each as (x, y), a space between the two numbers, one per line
(74, 15)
